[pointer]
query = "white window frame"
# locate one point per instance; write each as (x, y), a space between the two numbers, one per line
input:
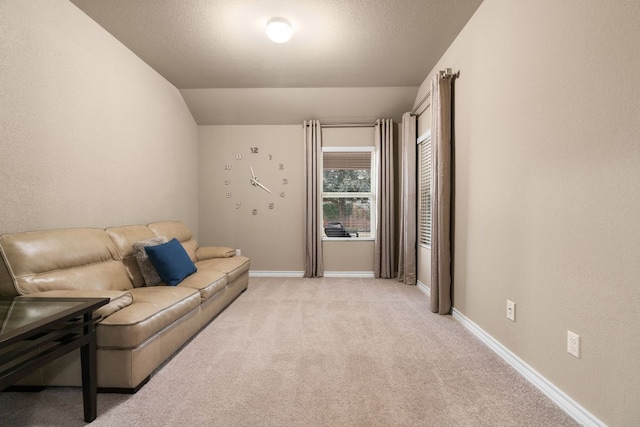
(373, 195)
(425, 178)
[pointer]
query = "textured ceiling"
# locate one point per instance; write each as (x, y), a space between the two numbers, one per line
(336, 43)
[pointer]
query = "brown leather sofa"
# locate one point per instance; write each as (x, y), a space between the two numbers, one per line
(141, 326)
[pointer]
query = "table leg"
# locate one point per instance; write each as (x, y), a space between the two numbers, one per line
(89, 373)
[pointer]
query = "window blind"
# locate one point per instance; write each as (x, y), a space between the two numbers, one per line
(425, 193)
(337, 160)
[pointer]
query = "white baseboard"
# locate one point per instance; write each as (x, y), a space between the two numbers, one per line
(360, 274)
(560, 398)
(424, 288)
(258, 273)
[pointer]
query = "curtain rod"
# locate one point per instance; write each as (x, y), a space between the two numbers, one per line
(346, 125)
(417, 107)
(445, 74)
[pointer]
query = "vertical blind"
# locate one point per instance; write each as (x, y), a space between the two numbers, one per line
(425, 193)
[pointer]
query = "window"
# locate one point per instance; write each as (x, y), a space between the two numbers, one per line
(348, 192)
(424, 189)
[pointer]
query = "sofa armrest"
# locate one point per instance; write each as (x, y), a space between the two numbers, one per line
(117, 299)
(209, 252)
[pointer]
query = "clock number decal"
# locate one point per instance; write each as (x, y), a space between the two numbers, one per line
(263, 159)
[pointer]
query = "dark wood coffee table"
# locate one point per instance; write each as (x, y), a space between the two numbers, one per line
(35, 331)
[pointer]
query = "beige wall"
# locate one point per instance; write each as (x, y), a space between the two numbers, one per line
(547, 174)
(348, 136)
(273, 238)
(90, 135)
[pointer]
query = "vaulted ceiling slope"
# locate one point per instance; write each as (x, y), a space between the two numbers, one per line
(215, 44)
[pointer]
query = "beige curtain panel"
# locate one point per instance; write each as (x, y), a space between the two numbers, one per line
(384, 251)
(441, 194)
(407, 257)
(313, 264)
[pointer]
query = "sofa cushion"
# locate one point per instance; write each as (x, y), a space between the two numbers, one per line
(117, 299)
(207, 281)
(148, 271)
(152, 310)
(179, 231)
(123, 238)
(70, 259)
(233, 267)
(171, 261)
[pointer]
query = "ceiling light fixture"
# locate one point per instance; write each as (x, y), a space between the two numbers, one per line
(279, 30)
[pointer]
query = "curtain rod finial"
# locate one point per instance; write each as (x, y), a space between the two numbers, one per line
(447, 73)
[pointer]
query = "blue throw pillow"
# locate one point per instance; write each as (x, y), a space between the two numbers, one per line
(171, 262)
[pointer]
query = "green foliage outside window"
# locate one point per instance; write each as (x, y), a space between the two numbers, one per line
(346, 181)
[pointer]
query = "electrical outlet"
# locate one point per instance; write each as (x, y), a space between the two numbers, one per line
(511, 310)
(238, 252)
(573, 344)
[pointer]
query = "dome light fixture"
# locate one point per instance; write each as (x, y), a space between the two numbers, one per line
(279, 30)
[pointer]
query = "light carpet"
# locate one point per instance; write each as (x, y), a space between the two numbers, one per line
(316, 352)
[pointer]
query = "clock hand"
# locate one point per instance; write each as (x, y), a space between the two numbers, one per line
(255, 182)
(263, 187)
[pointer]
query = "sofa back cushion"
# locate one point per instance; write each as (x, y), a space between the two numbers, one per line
(124, 238)
(179, 231)
(70, 259)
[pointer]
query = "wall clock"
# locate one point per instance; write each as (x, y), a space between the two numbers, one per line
(255, 181)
